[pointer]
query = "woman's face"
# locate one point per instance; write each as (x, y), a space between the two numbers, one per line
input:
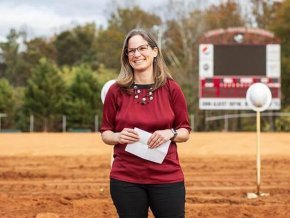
(140, 54)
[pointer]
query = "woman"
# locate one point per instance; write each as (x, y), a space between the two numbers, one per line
(145, 96)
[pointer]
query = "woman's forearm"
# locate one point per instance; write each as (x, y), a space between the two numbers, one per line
(182, 135)
(110, 137)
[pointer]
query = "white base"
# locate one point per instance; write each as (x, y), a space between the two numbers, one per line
(256, 195)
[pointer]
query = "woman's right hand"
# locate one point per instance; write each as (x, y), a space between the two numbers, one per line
(127, 136)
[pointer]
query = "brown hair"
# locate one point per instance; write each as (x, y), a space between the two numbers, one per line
(160, 70)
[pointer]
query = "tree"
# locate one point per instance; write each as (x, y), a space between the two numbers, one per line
(227, 14)
(109, 44)
(77, 46)
(282, 29)
(83, 101)
(282, 123)
(105, 74)
(39, 48)
(12, 54)
(7, 103)
(6, 96)
(126, 19)
(45, 93)
(263, 13)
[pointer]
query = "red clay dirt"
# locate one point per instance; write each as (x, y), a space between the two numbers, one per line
(51, 175)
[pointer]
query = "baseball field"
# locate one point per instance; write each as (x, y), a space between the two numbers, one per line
(54, 175)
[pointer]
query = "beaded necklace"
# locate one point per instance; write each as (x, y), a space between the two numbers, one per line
(143, 93)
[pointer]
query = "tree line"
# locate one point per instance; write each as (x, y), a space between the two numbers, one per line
(64, 74)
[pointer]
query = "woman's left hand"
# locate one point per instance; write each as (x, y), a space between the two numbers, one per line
(159, 137)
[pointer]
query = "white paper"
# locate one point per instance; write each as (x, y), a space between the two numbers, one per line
(142, 150)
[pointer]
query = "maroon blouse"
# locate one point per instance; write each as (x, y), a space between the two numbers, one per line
(167, 110)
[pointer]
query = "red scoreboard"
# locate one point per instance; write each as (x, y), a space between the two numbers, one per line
(230, 61)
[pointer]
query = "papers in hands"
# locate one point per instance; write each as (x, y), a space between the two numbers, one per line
(141, 149)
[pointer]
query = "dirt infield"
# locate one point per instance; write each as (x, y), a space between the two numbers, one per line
(66, 175)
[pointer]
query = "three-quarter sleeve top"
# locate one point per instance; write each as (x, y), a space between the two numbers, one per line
(167, 110)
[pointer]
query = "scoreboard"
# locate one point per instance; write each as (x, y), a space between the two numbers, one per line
(227, 70)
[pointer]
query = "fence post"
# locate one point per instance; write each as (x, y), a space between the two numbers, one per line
(63, 123)
(96, 123)
(226, 123)
(31, 123)
(192, 122)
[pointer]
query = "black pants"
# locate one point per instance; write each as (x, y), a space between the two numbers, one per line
(133, 200)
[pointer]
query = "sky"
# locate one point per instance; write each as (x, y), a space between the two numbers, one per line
(46, 17)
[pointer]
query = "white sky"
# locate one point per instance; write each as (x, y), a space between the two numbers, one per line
(46, 17)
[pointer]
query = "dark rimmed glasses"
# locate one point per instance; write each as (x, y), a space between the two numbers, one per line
(143, 49)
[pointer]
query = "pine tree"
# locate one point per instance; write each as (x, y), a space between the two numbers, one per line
(6, 102)
(45, 93)
(84, 99)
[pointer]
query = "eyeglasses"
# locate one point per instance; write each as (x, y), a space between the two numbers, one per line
(141, 49)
